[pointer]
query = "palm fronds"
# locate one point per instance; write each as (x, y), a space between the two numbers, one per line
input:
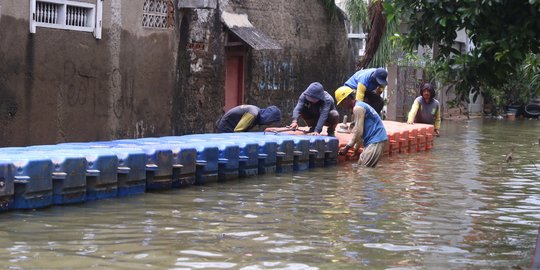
(358, 12)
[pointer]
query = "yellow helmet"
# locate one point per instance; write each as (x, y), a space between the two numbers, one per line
(342, 93)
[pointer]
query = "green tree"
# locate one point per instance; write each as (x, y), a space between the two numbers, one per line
(380, 45)
(504, 34)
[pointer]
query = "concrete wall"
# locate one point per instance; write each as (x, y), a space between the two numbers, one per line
(60, 85)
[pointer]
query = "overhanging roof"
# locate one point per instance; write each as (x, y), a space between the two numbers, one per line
(242, 27)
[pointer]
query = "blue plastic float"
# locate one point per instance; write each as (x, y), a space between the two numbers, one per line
(42, 175)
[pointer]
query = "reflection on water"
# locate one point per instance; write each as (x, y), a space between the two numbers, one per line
(460, 206)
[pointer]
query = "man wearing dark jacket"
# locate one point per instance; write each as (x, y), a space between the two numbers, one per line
(245, 117)
(317, 108)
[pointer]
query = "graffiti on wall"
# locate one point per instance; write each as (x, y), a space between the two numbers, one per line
(123, 101)
(276, 75)
(80, 88)
(79, 84)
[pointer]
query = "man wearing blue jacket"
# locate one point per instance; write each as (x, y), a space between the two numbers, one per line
(317, 108)
(369, 85)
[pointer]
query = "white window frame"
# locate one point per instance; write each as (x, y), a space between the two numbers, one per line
(94, 13)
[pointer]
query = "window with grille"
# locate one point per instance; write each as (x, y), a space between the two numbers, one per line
(158, 14)
(69, 15)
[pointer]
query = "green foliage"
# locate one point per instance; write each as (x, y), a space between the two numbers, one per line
(358, 12)
(504, 33)
(531, 71)
(386, 47)
(331, 7)
(519, 89)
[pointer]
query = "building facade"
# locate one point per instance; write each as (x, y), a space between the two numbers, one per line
(90, 70)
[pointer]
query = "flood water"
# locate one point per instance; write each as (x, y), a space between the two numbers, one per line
(459, 206)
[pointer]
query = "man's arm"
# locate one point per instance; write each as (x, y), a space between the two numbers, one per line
(359, 114)
(323, 116)
(360, 91)
(296, 112)
(245, 122)
(412, 112)
(357, 139)
(438, 121)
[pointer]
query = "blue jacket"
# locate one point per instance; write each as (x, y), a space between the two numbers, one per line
(364, 77)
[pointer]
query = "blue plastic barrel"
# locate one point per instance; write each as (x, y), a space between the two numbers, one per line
(101, 171)
(7, 188)
(301, 152)
(159, 162)
(228, 155)
(248, 155)
(184, 158)
(285, 151)
(131, 171)
(69, 173)
(331, 153)
(69, 177)
(266, 150)
(207, 164)
(32, 179)
(317, 150)
(131, 166)
(184, 164)
(285, 154)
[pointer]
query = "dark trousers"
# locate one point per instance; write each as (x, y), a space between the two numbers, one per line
(311, 117)
(374, 100)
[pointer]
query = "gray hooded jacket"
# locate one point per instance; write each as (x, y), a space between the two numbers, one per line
(324, 105)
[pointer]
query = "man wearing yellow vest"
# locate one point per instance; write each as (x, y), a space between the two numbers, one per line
(369, 85)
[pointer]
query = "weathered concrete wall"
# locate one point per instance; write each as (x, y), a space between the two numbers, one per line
(199, 92)
(60, 85)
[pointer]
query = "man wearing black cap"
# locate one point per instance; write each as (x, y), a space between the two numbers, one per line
(369, 85)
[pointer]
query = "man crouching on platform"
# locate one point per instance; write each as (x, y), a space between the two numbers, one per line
(368, 129)
(317, 108)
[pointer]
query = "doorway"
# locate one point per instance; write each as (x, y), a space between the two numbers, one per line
(234, 80)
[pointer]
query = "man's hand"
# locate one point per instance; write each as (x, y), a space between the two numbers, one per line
(437, 132)
(314, 133)
(293, 125)
(344, 150)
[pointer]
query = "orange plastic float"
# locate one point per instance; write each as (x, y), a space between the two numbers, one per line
(402, 138)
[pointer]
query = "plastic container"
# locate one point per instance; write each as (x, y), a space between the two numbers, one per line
(32, 179)
(7, 188)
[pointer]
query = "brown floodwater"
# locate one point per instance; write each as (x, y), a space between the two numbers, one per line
(459, 206)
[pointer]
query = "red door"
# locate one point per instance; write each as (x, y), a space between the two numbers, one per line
(234, 81)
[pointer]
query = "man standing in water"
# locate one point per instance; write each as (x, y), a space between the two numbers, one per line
(426, 109)
(368, 129)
